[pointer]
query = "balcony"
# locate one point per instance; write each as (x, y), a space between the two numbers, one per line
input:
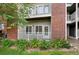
(41, 10)
(71, 18)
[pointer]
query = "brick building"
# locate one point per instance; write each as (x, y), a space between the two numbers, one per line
(46, 21)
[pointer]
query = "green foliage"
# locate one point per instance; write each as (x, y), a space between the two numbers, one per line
(44, 44)
(9, 17)
(14, 13)
(8, 51)
(6, 43)
(34, 43)
(22, 44)
(8, 9)
(60, 43)
(57, 52)
(22, 13)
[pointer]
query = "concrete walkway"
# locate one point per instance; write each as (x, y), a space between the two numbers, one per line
(74, 43)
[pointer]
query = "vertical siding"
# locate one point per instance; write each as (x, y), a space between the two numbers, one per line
(22, 30)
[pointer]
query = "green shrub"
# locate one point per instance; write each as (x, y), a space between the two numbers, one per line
(44, 44)
(34, 43)
(6, 43)
(21, 44)
(60, 43)
(66, 45)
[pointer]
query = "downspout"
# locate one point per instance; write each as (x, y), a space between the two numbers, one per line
(65, 21)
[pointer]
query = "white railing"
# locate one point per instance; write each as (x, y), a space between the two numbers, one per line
(71, 18)
(38, 11)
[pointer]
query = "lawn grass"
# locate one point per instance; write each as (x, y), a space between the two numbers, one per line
(54, 53)
(8, 51)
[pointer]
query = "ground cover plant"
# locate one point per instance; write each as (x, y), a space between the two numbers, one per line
(6, 43)
(22, 46)
(60, 43)
(34, 43)
(44, 44)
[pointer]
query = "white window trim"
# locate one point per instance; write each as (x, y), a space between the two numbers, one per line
(28, 29)
(46, 32)
(35, 9)
(38, 30)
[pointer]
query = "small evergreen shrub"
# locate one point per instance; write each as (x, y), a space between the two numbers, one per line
(21, 44)
(44, 44)
(6, 43)
(34, 43)
(60, 43)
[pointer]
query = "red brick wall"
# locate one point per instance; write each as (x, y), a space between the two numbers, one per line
(58, 20)
(12, 33)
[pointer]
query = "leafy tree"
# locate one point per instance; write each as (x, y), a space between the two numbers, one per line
(14, 14)
(23, 13)
(8, 11)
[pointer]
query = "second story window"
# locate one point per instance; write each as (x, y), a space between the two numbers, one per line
(40, 10)
(46, 9)
(32, 11)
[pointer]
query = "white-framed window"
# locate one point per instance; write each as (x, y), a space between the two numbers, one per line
(40, 9)
(37, 10)
(38, 29)
(32, 11)
(46, 30)
(46, 9)
(28, 29)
